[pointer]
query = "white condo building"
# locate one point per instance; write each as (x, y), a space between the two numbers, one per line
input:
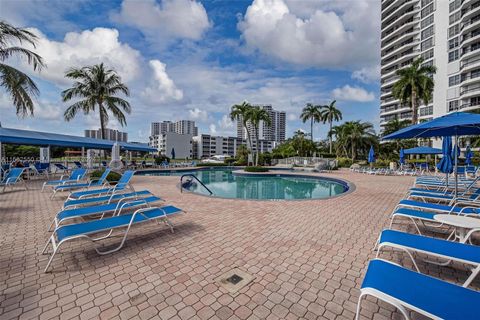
(109, 134)
(446, 34)
(180, 127)
(165, 142)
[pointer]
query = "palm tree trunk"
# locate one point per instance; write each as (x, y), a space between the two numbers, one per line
(330, 137)
(311, 128)
(257, 149)
(414, 107)
(353, 151)
(249, 140)
(102, 121)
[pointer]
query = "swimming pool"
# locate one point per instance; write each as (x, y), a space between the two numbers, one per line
(225, 183)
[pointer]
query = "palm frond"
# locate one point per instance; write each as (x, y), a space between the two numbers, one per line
(20, 88)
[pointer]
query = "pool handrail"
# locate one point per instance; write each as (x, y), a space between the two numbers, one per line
(195, 177)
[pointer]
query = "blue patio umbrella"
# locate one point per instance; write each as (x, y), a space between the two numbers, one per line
(456, 148)
(371, 155)
(423, 150)
(402, 156)
(468, 156)
(453, 124)
(445, 165)
(173, 153)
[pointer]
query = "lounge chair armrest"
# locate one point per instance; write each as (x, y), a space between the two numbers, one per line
(63, 176)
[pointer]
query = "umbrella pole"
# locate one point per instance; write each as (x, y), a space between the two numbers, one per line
(456, 164)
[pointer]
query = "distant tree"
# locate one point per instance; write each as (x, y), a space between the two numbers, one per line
(98, 87)
(21, 88)
(240, 112)
(414, 85)
(330, 113)
(311, 112)
(353, 135)
(256, 115)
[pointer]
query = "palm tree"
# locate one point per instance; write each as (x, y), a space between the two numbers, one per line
(415, 85)
(98, 87)
(360, 134)
(330, 113)
(255, 115)
(18, 85)
(310, 112)
(239, 112)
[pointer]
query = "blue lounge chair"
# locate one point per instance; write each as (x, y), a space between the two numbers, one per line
(122, 185)
(465, 208)
(86, 229)
(450, 198)
(93, 183)
(105, 199)
(59, 166)
(102, 209)
(41, 168)
(74, 177)
(78, 164)
(12, 177)
(431, 297)
(443, 249)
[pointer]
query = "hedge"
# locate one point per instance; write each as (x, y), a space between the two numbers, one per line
(256, 169)
(112, 176)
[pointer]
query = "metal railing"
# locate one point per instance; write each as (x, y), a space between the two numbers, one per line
(194, 177)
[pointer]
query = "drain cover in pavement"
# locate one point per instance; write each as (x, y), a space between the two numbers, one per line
(234, 280)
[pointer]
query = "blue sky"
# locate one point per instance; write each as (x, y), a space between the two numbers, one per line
(186, 59)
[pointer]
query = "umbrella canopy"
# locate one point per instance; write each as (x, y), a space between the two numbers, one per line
(468, 156)
(453, 124)
(402, 156)
(445, 165)
(371, 155)
(423, 150)
(173, 153)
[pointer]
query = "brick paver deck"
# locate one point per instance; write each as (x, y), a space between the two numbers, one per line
(308, 258)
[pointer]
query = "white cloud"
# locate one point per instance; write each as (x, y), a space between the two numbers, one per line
(184, 19)
(350, 93)
(86, 48)
(213, 129)
(330, 34)
(367, 74)
(162, 88)
(225, 123)
(198, 114)
(292, 117)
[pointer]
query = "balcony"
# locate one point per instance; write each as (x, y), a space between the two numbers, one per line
(402, 18)
(405, 45)
(470, 24)
(468, 92)
(397, 10)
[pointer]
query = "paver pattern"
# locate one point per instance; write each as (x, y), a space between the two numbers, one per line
(308, 257)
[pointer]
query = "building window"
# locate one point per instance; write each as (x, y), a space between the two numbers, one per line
(427, 44)
(453, 55)
(427, 21)
(453, 30)
(454, 5)
(453, 105)
(426, 2)
(427, 10)
(427, 33)
(427, 55)
(426, 111)
(453, 80)
(455, 17)
(453, 43)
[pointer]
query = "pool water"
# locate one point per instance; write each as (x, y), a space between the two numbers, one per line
(223, 183)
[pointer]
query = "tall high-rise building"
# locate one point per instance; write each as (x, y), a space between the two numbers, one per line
(109, 134)
(275, 132)
(180, 127)
(445, 34)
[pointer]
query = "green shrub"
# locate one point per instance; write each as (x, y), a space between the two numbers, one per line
(256, 169)
(240, 163)
(160, 159)
(230, 161)
(206, 164)
(112, 176)
(328, 155)
(344, 162)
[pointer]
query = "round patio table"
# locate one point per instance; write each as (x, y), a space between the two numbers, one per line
(461, 224)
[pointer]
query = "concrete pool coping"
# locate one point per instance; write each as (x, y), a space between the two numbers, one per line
(287, 172)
